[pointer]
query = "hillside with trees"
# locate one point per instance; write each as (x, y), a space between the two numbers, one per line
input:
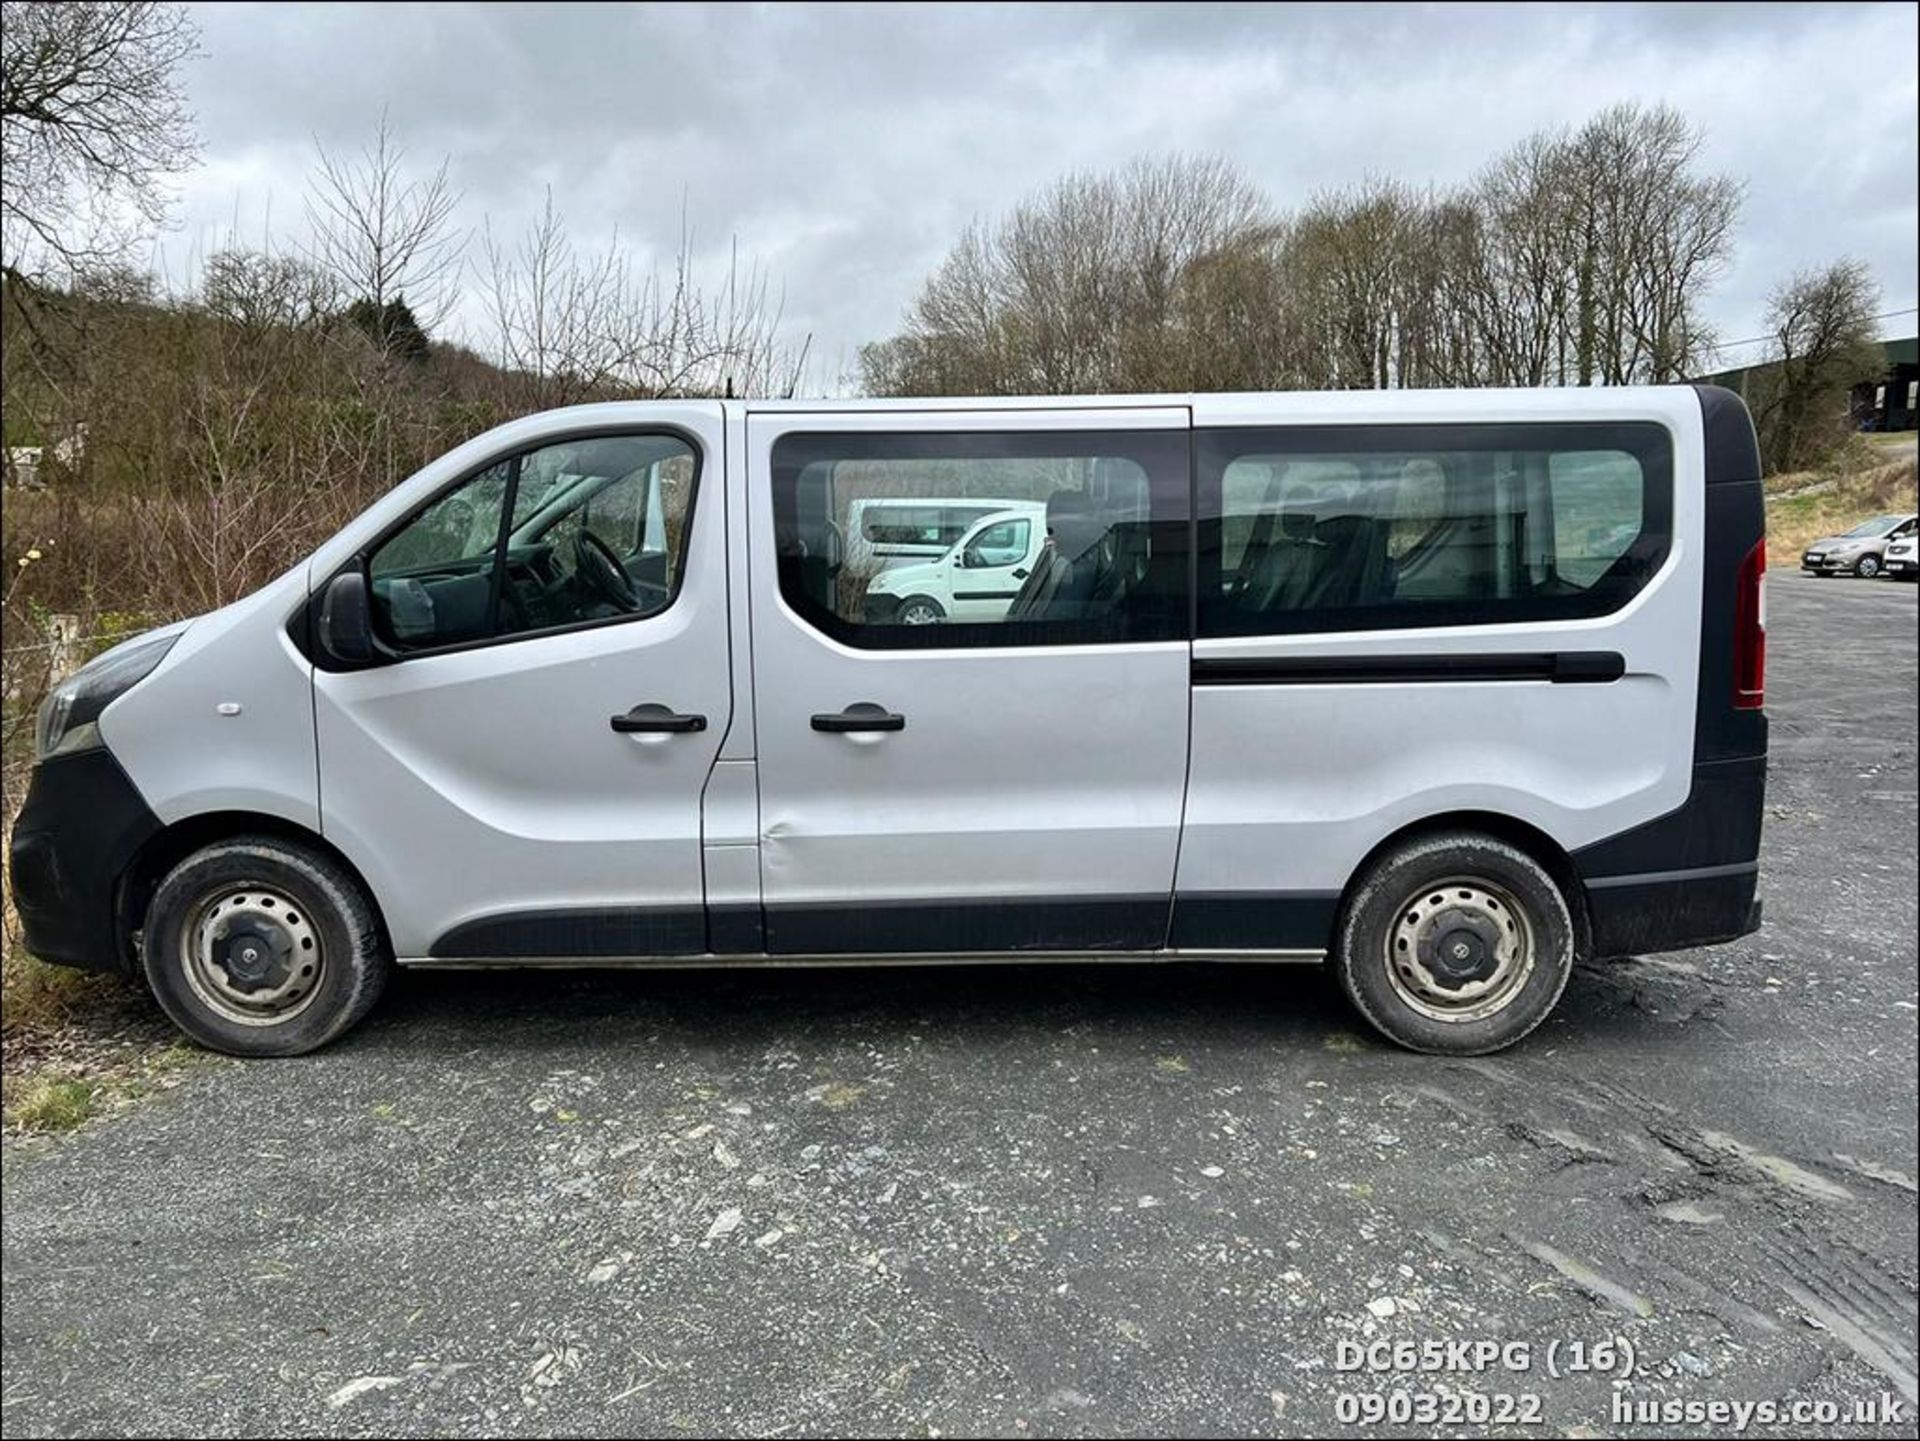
(1578, 257)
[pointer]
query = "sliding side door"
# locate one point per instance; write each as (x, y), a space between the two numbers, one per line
(1011, 780)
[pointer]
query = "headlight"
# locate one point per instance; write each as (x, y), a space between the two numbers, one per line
(69, 717)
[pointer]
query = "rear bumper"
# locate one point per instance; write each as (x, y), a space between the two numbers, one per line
(1634, 915)
(1687, 879)
(81, 826)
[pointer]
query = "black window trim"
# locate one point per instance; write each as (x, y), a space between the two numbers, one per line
(362, 558)
(1173, 489)
(1650, 442)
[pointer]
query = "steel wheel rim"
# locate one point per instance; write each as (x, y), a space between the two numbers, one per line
(1460, 950)
(921, 614)
(252, 955)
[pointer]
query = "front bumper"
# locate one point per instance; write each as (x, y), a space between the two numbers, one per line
(1902, 565)
(879, 608)
(79, 831)
(1822, 563)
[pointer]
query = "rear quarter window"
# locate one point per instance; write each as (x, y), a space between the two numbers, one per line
(1356, 528)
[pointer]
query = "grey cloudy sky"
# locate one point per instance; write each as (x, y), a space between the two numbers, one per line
(846, 146)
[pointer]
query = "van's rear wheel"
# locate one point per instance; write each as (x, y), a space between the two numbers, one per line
(1456, 943)
(263, 947)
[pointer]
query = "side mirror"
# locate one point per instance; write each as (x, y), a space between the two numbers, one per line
(345, 628)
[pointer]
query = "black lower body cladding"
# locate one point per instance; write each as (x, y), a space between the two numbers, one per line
(1671, 914)
(81, 827)
(1688, 878)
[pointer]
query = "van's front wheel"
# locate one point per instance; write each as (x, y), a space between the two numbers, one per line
(920, 610)
(262, 947)
(1457, 944)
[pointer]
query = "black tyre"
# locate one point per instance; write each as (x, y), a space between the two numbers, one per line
(259, 946)
(1455, 943)
(1867, 567)
(919, 610)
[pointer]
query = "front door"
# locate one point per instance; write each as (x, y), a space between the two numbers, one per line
(988, 568)
(521, 775)
(1007, 781)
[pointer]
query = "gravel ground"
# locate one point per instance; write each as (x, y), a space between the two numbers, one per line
(1087, 1200)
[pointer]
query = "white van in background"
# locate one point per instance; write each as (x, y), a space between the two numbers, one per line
(894, 529)
(978, 579)
(1446, 689)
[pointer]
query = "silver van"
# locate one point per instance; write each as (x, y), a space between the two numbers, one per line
(1444, 689)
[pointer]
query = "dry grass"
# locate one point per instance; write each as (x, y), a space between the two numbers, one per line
(73, 1043)
(58, 1090)
(46, 1104)
(1806, 507)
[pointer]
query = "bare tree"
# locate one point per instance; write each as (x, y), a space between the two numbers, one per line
(258, 290)
(573, 327)
(92, 122)
(1083, 287)
(1354, 272)
(1576, 258)
(1592, 251)
(1517, 281)
(1647, 235)
(1821, 343)
(386, 236)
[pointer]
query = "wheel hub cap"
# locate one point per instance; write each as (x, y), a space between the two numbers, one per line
(252, 955)
(1460, 950)
(255, 954)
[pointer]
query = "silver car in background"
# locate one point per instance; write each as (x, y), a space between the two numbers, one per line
(1861, 551)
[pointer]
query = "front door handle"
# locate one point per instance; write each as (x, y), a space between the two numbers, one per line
(860, 716)
(657, 719)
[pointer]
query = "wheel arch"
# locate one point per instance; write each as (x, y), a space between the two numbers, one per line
(174, 843)
(922, 596)
(1536, 843)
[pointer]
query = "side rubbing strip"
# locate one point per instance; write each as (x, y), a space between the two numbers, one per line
(608, 932)
(1580, 667)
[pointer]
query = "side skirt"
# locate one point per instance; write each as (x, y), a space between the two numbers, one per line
(779, 962)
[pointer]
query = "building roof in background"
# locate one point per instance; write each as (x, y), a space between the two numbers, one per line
(1896, 352)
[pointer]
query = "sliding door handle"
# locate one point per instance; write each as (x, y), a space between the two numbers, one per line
(657, 720)
(860, 716)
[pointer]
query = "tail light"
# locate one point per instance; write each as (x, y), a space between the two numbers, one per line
(1750, 632)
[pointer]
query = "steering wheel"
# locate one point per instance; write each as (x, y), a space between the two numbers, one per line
(595, 562)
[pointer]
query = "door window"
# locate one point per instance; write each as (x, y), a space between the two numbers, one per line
(1112, 506)
(581, 532)
(1001, 544)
